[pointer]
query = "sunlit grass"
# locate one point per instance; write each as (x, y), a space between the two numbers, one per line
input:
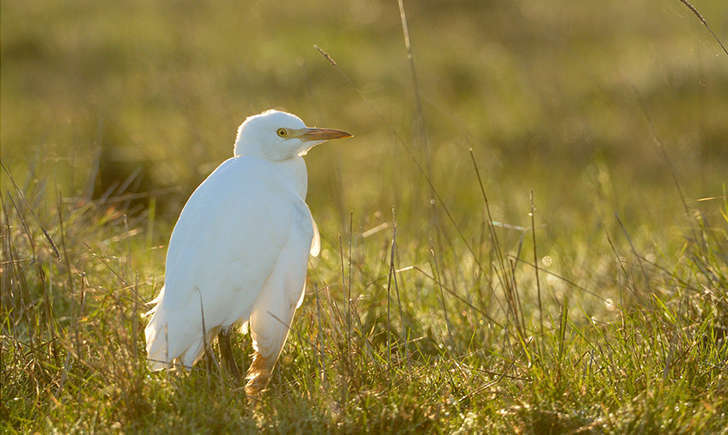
(111, 114)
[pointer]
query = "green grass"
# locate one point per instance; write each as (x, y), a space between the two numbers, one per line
(613, 115)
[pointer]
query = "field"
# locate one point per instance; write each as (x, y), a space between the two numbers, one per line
(529, 232)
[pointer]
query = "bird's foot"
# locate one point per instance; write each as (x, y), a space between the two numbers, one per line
(258, 375)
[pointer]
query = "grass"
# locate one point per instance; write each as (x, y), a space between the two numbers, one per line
(556, 179)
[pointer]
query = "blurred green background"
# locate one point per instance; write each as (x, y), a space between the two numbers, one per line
(599, 108)
(553, 97)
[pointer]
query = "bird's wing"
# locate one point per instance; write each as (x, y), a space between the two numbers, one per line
(284, 289)
(316, 240)
(224, 246)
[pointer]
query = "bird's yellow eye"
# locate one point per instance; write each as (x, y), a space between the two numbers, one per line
(282, 132)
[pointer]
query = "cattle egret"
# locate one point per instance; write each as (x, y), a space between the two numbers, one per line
(239, 250)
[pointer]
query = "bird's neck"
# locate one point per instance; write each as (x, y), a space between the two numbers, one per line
(290, 174)
(294, 170)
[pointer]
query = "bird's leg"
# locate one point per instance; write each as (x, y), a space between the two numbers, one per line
(259, 373)
(269, 323)
(226, 352)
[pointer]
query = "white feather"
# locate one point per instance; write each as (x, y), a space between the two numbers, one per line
(239, 250)
(216, 262)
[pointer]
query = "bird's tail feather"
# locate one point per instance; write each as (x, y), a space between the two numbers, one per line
(157, 337)
(163, 348)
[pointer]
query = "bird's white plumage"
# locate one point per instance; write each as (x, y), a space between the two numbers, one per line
(239, 250)
(224, 247)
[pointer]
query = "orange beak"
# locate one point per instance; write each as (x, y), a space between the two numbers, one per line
(319, 134)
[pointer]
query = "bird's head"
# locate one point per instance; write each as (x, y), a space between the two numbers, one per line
(277, 136)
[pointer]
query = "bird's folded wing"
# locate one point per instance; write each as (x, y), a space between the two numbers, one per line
(316, 240)
(226, 244)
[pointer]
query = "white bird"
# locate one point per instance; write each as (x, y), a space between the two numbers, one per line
(239, 250)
